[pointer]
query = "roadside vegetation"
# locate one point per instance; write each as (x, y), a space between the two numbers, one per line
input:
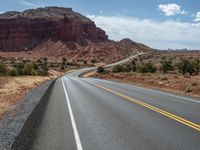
(24, 68)
(165, 66)
(41, 67)
(175, 73)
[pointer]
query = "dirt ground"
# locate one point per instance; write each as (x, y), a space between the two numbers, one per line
(188, 85)
(12, 89)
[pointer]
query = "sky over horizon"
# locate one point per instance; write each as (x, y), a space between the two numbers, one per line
(160, 24)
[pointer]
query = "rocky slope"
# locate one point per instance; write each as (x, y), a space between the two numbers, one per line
(58, 32)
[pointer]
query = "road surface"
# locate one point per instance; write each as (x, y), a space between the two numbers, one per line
(94, 114)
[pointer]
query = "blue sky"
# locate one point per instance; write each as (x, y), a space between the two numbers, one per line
(158, 23)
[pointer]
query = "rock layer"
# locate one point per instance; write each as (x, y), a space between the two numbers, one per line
(26, 30)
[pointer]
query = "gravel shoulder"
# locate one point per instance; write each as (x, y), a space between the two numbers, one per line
(17, 125)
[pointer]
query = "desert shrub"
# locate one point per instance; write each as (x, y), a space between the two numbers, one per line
(118, 68)
(85, 62)
(28, 69)
(3, 69)
(19, 67)
(127, 68)
(35, 66)
(186, 66)
(188, 89)
(166, 65)
(12, 61)
(93, 61)
(42, 72)
(13, 72)
(164, 78)
(34, 73)
(100, 69)
(196, 66)
(147, 68)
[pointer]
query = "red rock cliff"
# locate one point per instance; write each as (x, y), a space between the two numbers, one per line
(28, 29)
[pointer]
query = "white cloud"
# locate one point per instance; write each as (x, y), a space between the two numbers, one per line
(161, 35)
(171, 9)
(27, 3)
(197, 16)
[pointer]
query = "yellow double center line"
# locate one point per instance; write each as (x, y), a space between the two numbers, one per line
(160, 111)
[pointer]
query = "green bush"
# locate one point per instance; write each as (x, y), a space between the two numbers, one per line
(196, 65)
(19, 67)
(147, 68)
(28, 69)
(3, 69)
(118, 68)
(127, 68)
(186, 66)
(42, 72)
(13, 72)
(166, 65)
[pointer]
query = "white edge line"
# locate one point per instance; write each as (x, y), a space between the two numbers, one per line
(76, 134)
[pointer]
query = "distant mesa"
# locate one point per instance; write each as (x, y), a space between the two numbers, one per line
(59, 32)
(19, 30)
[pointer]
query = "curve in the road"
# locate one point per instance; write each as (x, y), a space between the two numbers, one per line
(94, 114)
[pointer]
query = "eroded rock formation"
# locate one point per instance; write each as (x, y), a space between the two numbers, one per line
(28, 29)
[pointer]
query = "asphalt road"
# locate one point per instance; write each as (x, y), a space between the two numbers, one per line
(94, 114)
(100, 119)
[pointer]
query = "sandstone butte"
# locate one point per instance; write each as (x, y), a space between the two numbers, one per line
(59, 32)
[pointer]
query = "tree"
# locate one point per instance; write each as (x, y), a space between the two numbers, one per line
(185, 66)
(166, 65)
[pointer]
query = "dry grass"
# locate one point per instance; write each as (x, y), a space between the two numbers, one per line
(3, 81)
(12, 89)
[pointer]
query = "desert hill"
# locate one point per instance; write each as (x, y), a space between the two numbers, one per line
(59, 32)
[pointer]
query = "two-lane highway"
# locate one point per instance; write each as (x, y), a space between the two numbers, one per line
(93, 114)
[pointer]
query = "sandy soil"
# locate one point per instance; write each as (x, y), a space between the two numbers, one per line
(188, 85)
(12, 89)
